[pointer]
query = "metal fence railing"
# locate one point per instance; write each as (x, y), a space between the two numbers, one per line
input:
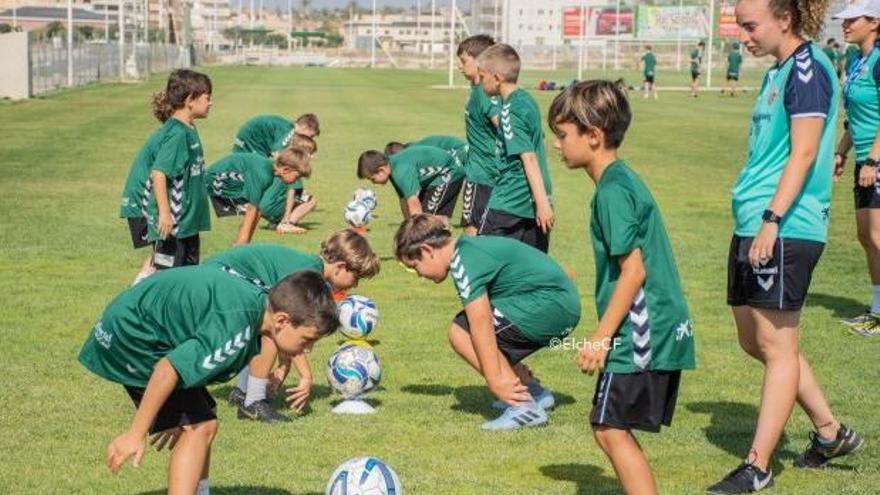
(94, 62)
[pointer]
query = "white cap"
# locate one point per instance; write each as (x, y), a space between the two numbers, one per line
(860, 8)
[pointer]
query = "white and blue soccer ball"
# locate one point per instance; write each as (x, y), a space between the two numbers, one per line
(357, 214)
(364, 476)
(358, 317)
(366, 196)
(353, 370)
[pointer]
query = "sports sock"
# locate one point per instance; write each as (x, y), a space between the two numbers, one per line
(875, 303)
(204, 487)
(535, 388)
(243, 378)
(256, 390)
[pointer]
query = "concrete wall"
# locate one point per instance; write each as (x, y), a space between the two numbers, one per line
(15, 70)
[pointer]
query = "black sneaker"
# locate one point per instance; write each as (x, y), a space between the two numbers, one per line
(817, 454)
(744, 479)
(236, 397)
(262, 411)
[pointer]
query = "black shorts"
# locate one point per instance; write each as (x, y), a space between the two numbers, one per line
(635, 401)
(228, 207)
(733, 77)
(440, 200)
(866, 197)
(137, 227)
(649, 79)
(474, 203)
(522, 229)
(781, 284)
(173, 252)
(185, 406)
(511, 342)
(695, 76)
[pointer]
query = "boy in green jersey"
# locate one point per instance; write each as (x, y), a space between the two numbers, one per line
(734, 63)
(520, 206)
(696, 67)
(345, 258)
(516, 300)
(644, 337)
(168, 337)
(425, 178)
(239, 182)
(649, 66)
(481, 119)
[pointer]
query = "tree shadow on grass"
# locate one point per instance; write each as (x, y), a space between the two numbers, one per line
(243, 490)
(428, 389)
(841, 307)
(588, 479)
(732, 427)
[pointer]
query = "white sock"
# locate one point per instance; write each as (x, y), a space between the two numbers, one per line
(204, 487)
(875, 304)
(256, 390)
(243, 378)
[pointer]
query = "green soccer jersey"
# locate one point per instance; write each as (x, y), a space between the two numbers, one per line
(242, 176)
(861, 94)
(803, 86)
(458, 148)
(417, 167)
(263, 134)
(204, 321)
(734, 62)
(523, 284)
(851, 56)
(135, 193)
(657, 333)
(696, 60)
(831, 53)
(650, 61)
(274, 201)
(264, 265)
(483, 157)
(180, 159)
(521, 131)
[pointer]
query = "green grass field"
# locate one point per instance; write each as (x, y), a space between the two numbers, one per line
(64, 254)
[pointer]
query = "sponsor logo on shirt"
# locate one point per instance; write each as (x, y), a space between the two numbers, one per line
(102, 336)
(684, 330)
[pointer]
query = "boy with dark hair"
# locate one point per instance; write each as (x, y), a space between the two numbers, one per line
(481, 119)
(649, 66)
(520, 205)
(516, 300)
(169, 336)
(645, 335)
(425, 178)
(734, 62)
(696, 67)
(239, 183)
(345, 258)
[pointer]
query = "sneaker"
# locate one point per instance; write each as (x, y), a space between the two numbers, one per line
(262, 411)
(867, 317)
(526, 415)
(744, 479)
(542, 396)
(818, 453)
(236, 397)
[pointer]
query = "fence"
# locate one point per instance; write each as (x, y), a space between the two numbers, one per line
(93, 62)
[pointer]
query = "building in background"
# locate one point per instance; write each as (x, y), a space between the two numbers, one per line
(403, 32)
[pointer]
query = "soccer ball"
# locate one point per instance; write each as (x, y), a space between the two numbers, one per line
(366, 196)
(357, 214)
(358, 316)
(353, 370)
(364, 476)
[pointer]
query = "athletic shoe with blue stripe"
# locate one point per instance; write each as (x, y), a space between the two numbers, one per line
(542, 396)
(526, 415)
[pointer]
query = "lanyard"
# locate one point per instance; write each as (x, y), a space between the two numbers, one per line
(853, 74)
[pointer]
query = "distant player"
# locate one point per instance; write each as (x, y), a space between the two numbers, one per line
(649, 66)
(734, 63)
(697, 67)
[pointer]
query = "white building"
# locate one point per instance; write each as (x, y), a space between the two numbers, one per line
(409, 33)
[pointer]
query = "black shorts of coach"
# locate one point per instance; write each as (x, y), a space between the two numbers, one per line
(440, 199)
(522, 229)
(185, 406)
(782, 283)
(511, 342)
(635, 401)
(866, 197)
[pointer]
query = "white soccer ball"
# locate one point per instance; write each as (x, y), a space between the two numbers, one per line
(364, 476)
(357, 214)
(366, 196)
(353, 370)
(358, 317)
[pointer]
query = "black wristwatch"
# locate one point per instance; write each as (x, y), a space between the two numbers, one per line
(869, 162)
(770, 217)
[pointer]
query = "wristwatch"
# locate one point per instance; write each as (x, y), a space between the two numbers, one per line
(770, 217)
(869, 162)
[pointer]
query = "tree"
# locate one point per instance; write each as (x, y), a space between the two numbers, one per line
(5, 28)
(54, 28)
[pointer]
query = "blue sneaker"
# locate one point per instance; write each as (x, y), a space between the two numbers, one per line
(542, 396)
(526, 415)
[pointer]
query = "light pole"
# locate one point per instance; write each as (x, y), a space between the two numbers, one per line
(451, 42)
(711, 39)
(431, 38)
(617, 38)
(583, 39)
(70, 43)
(373, 44)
